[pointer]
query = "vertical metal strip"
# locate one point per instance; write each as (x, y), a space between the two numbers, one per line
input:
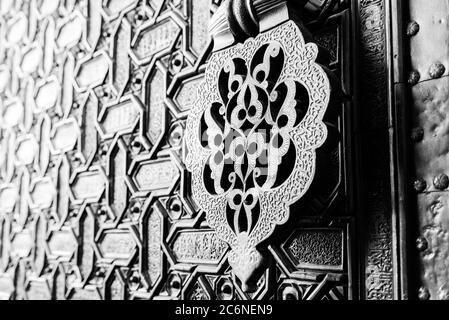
(399, 151)
(373, 73)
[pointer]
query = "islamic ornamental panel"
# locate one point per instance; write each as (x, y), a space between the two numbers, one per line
(262, 105)
(147, 153)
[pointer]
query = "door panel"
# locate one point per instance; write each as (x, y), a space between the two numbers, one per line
(96, 200)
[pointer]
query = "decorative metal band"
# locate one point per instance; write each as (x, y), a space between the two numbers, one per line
(252, 136)
(379, 268)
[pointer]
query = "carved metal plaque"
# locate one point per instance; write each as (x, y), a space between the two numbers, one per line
(252, 137)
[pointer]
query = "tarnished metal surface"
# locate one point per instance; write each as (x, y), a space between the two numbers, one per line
(431, 141)
(95, 197)
(429, 39)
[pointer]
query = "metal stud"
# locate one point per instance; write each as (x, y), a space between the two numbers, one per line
(422, 244)
(420, 185)
(437, 70)
(441, 182)
(412, 28)
(417, 134)
(414, 77)
(423, 294)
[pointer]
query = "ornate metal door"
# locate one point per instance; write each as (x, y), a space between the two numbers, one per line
(146, 155)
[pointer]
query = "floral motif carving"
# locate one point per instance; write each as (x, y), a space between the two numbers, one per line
(252, 137)
(317, 248)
